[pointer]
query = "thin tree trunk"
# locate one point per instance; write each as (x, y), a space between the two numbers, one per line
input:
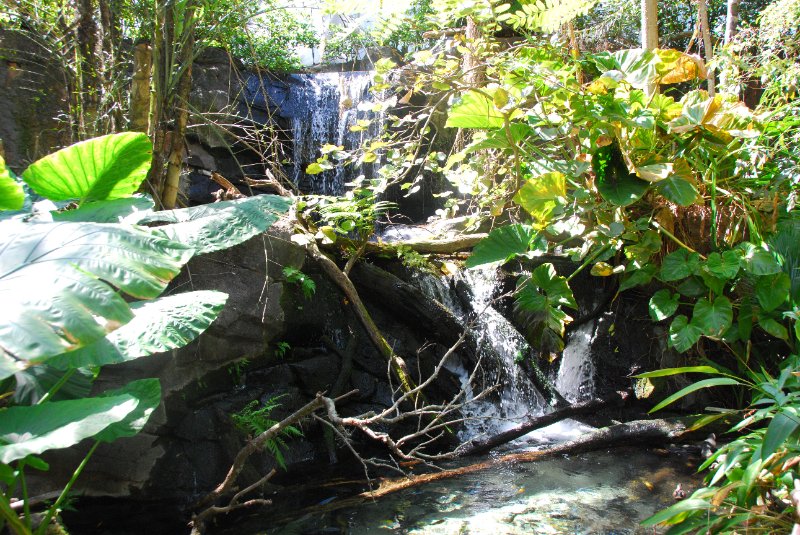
(731, 21)
(650, 33)
(708, 47)
(158, 102)
(89, 63)
(140, 88)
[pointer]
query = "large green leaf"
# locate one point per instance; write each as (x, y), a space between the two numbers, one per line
(773, 290)
(637, 277)
(713, 317)
(220, 225)
(474, 109)
(56, 284)
(553, 285)
(705, 383)
(148, 394)
(108, 167)
(725, 265)
(663, 304)
(159, 325)
(541, 195)
(12, 197)
(679, 265)
(34, 429)
(113, 211)
(614, 182)
(682, 334)
(502, 244)
(678, 190)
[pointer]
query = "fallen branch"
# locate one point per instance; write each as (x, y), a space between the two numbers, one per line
(629, 433)
(441, 246)
(476, 446)
(346, 285)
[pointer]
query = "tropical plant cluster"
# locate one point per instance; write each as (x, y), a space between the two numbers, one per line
(84, 280)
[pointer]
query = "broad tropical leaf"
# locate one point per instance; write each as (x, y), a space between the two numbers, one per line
(541, 195)
(107, 167)
(11, 195)
(220, 225)
(663, 304)
(773, 290)
(758, 261)
(34, 429)
(679, 265)
(113, 211)
(502, 244)
(614, 182)
(725, 265)
(692, 504)
(682, 334)
(159, 325)
(474, 110)
(77, 304)
(148, 394)
(678, 190)
(713, 317)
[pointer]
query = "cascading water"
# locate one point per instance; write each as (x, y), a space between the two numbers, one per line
(325, 107)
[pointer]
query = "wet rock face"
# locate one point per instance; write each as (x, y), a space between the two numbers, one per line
(266, 346)
(32, 98)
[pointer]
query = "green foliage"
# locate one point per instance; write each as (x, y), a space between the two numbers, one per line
(253, 419)
(11, 195)
(104, 168)
(306, 283)
(70, 290)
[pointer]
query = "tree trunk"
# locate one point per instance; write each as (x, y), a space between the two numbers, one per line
(650, 33)
(140, 88)
(180, 107)
(731, 21)
(632, 433)
(90, 67)
(708, 47)
(482, 445)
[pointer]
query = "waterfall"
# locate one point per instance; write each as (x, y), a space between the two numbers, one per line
(324, 107)
(499, 345)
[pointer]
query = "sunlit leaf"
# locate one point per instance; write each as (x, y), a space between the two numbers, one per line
(211, 227)
(679, 265)
(107, 167)
(12, 197)
(663, 304)
(502, 244)
(474, 110)
(158, 325)
(539, 196)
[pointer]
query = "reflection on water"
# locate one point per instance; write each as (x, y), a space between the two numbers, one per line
(595, 493)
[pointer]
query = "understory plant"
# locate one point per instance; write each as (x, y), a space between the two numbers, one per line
(254, 418)
(83, 281)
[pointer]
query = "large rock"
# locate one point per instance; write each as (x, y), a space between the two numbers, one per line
(33, 100)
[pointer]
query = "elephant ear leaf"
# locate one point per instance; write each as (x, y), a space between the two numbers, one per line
(59, 281)
(11, 195)
(216, 226)
(34, 429)
(103, 168)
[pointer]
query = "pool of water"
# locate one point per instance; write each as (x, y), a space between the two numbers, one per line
(594, 493)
